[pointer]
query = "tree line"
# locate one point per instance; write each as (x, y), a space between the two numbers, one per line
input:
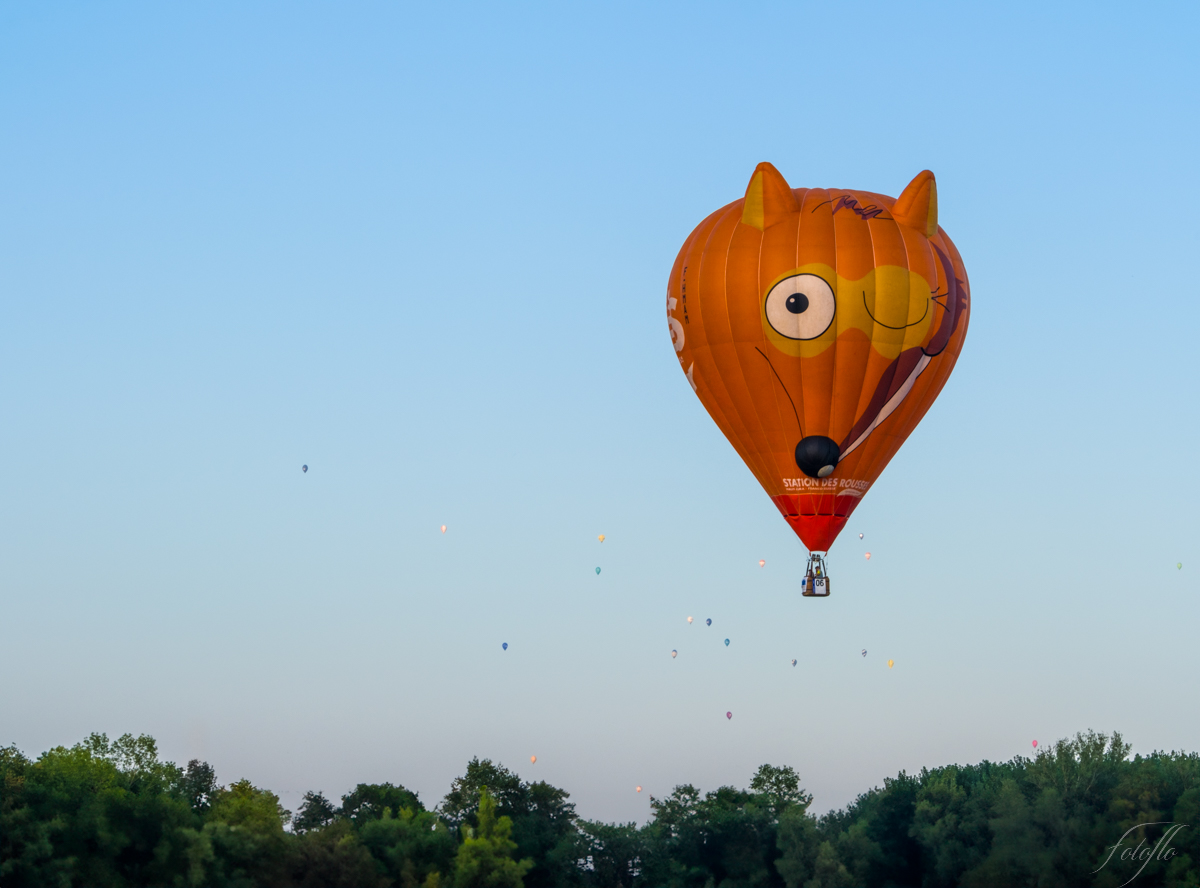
(1083, 812)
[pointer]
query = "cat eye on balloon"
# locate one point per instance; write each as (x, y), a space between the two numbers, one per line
(801, 306)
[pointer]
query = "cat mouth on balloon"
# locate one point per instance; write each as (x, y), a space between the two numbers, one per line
(817, 455)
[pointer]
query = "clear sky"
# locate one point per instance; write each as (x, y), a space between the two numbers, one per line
(424, 251)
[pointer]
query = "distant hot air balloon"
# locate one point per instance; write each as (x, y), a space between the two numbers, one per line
(1179, 566)
(793, 662)
(727, 642)
(304, 469)
(674, 654)
(1035, 744)
(890, 663)
(864, 653)
(708, 622)
(729, 715)
(443, 528)
(504, 645)
(817, 326)
(867, 556)
(689, 619)
(860, 536)
(600, 538)
(639, 789)
(597, 571)
(533, 759)
(762, 563)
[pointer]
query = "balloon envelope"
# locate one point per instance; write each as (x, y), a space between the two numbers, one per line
(674, 654)
(793, 662)
(1179, 566)
(689, 619)
(817, 326)
(597, 570)
(532, 759)
(639, 789)
(864, 653)
(443, 528)
(867, 556)
(761, 563)
(860, 536)
(600, 538)
(729, 715)
(890, 662)
(1035, 744)
(708, 622)
(727, 642)
(304, 469)
(504, 645)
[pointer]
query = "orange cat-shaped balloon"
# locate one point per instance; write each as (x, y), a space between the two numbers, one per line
(817, 326)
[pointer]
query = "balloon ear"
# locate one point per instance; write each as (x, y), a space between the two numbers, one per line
(769, 198)
(917, 206)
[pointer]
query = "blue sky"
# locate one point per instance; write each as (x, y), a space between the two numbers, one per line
(424, 251)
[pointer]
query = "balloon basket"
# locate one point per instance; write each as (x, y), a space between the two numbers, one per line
(815, 583)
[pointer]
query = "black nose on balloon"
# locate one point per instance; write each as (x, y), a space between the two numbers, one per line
(817, 456)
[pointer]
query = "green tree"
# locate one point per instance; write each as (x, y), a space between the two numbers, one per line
(542, 817)
(485, 858)
(414, 847)
(333, 857)
(368, 801)
(315, 811)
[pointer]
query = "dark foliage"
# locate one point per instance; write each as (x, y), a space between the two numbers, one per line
(1083, 813)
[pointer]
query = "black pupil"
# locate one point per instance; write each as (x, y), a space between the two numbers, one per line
(797, 303)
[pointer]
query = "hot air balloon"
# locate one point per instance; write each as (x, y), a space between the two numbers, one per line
(762, 563)
(867, 556)
(1035, 744)
(304, 469)
(817, 326)
(597, 571)
(639, 789)
(890, 663)
(600, 538)
(727, 642)
(729, 715)
(533, 759)
(1179, 566)
(864, 652)
(793, 662)
(504, 645)
(708, 622)
(689, 619)
(443, 528)
(860, 536)
(674, 654)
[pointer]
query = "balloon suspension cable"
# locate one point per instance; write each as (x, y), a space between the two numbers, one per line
(816, 577)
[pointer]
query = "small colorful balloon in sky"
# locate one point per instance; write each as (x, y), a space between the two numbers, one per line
(860, 536)
(674, 654)
(639, 789)
(1035, 744)
(867, 556)
(597, 571)
(689, 619)
(729, 715)
(1179, 566)
(793, 662)
(504, 645)
(443, 528)
(762, 563)
(533, 759)
(864, 652)
(708, 622)
(727, 642)
(891, 663)
(600, 538)
(304, 469)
